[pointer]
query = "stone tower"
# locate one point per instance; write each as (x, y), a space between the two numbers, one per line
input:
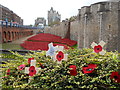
(100, 21)
(53, 17)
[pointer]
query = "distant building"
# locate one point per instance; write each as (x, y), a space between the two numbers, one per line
(40, 21)
(9, 15)
(53, 17)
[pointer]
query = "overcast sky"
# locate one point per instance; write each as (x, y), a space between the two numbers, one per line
(29, 10)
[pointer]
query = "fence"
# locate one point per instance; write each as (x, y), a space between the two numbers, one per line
(14, 24)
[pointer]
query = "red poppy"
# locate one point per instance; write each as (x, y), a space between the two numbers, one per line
(8, 72)
(21, 67)
(29, 59)
(89, 69)
(32, 71)
(60, 56)
(98, 48)
(39, 44)
(73, 70)
(115, 76)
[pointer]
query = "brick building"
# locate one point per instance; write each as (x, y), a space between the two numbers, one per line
(10, 32)
(9, 15)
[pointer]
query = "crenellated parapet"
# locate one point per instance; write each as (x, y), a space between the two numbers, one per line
(98, 7)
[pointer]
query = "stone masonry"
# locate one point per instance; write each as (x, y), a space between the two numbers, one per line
(99, 21)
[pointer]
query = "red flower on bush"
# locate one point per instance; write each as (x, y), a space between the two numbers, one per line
(60, 56)
(73, 70)
(8, 72)
(89, 69)
(115, 76)
(98, 48)
(29, 59)
(21, 67)
(32, 71)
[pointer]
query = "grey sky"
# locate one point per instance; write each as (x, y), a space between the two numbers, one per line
(29, 10)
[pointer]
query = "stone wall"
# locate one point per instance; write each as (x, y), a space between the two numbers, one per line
(59, 30)
(74, 28)
(99, 21)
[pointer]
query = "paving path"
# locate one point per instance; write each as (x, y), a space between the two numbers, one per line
(21, 40)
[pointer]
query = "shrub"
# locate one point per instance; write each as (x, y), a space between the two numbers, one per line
(93, 71)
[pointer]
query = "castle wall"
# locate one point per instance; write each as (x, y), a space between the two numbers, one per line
(97, 22)
(119, 29)
(59, 30)
(112, 29)
(74, 28)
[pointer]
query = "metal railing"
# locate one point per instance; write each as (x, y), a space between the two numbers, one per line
(12, 24)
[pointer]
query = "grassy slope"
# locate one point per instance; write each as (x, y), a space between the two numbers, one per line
(11, 46)
(17, 46)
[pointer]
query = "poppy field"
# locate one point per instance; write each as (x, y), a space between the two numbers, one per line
(82, 69)
(40, 42)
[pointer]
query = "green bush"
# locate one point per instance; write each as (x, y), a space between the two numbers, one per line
(56, 76)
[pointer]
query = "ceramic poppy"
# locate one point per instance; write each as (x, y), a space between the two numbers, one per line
(29, 60)
(8, 72)
(21, 67)
(32, 71)
(60, 56)
(51, 50)
(73, 70)
(115, 76)
(98, 48)
(89, 69)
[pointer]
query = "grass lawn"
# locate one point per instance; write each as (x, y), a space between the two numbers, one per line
(11, 46)
(75, 46)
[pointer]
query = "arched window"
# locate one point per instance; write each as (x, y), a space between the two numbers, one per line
(9, 36)
(4, 36)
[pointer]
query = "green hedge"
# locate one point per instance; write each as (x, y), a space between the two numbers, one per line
(57, 77)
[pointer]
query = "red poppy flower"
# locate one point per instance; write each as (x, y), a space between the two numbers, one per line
(73, 70)
(89, 69)
(29, 59)
(8, 72)
(21, 67)
(98, 48)
(60, 56)
(32, 71)
(115, 76)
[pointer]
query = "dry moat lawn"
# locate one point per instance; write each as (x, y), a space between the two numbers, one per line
(10, 46)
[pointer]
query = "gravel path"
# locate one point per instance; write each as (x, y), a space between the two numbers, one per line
(21, 40)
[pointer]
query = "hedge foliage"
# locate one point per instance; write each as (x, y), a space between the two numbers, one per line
(57, 77)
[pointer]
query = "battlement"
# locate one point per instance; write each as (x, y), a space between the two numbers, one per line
(99, 7)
